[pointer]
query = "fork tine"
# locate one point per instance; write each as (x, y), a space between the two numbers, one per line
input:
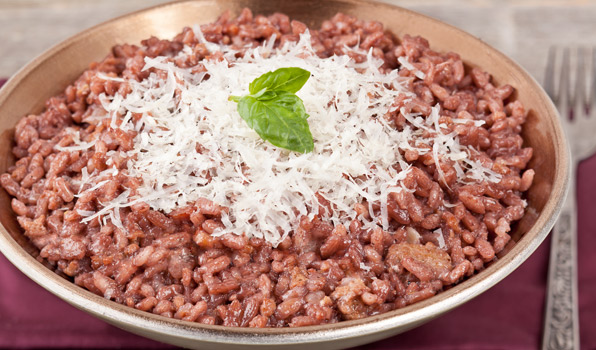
(579, 100)
(549, 74)
(592, 88)
(564, 94)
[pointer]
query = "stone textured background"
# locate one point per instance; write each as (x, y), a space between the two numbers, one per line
(522, 29)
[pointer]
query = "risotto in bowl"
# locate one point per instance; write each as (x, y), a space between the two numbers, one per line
(267, 175)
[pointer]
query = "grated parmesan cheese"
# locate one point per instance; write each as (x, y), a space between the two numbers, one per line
(440, 238)
(409, 66)
(364, 267)
(78, 144)
(192, 143)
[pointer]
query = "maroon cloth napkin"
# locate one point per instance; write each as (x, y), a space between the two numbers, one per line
(508, 316)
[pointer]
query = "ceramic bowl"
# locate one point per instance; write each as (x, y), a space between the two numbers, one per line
(51, 72)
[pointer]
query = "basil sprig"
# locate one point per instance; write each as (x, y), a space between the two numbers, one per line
(273, 110)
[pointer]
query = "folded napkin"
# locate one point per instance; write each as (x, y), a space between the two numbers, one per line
(508, 316)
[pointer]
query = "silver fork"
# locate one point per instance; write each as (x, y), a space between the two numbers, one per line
(576, 102)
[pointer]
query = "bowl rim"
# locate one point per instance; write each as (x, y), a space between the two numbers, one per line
(141, 321)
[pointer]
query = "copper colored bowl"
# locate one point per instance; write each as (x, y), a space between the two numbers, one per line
(51, 72)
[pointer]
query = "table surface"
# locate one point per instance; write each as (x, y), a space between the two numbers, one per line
(524, 30)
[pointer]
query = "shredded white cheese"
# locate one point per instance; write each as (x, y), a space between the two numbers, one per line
(364, 267)
(193, 144)
(440, 238)
(78, 144)
(409, 66)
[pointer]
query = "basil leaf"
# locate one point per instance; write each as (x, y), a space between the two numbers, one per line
(278, 122)
(245, 106)
(289, 79)
(266, 95)
(274, 112)
(292, 103)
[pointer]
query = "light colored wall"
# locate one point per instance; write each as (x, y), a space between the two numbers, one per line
(522, 29)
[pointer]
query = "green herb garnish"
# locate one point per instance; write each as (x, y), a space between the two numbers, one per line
(273, 110)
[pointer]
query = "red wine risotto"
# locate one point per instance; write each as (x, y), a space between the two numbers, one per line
(143, 183)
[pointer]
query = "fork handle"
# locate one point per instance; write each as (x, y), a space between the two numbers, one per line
(561, 324)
